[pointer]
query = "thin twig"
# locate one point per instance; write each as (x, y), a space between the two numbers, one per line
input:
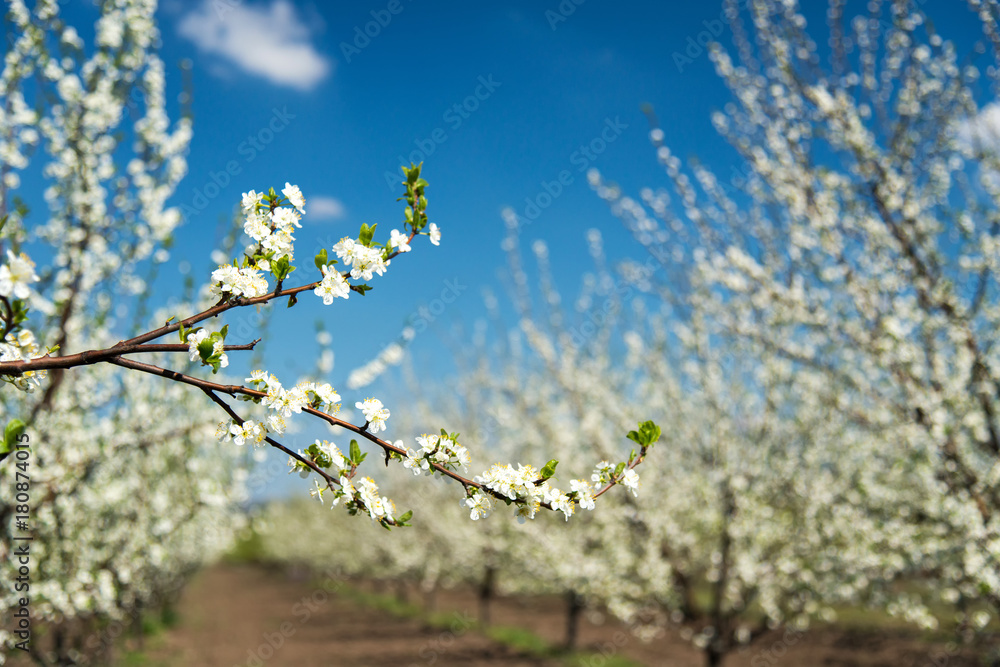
(96, 356)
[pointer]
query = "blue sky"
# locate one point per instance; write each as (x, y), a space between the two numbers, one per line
(498, 99)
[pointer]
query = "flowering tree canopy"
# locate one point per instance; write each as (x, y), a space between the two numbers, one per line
(136, 495)
(854, 255)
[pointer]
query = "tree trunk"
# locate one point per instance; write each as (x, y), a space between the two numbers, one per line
(59, 645)
(137, 625)
(430, 599)
(720, 643)
(574, 605)
(486, 594)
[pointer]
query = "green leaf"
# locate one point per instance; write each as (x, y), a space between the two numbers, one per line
(650, 432)
(15, 427)
(321, 259)
(206, 349)
(619, 469)
(3, 221)
(406, 517)
(355, 452)
(20, 311)
(367, 234)
(549, 469)
(319, 457)
(292, 300)
(647, 434)
(414, 173)
(224, 331)
(281, 268)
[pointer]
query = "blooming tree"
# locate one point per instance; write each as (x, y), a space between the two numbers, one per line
(826, 331)
(118, 495)
(83, 393)
(857, 247)
(757, 520)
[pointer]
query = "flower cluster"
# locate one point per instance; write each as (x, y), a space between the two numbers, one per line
(584, 493)
(295, 197)
(479, 504)
(374, 413)
(286, 402)
(324, 454)
(527, 487)
(605, 473)
(21, 347)
(271, 226)
(363, 496)
(379, 508)
(195, 339)
(443, 450)
(333, 286)
(235, 281)
(602, 473)
(16, 276)
(400, 242)
(630, 480)
(364, 260)
(250, 431)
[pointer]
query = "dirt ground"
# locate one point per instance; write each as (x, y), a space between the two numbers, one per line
(241, 616)
(249, 616)
(815, 648)
(232, 616)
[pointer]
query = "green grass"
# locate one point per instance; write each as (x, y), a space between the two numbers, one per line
(587, 660)
(135, 657)
(528, 642)
(520, 639)
(156, 623)
(387, 603)
(248, 548)
(865, 619)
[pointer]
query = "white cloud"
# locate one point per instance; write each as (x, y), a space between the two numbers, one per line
(269, 41)
(983, 131)
(321, 207)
